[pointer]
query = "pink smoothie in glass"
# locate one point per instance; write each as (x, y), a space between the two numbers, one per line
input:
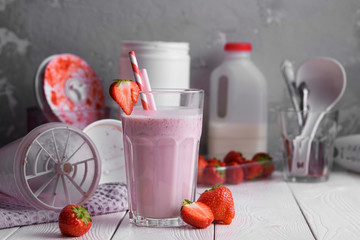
(161, 150)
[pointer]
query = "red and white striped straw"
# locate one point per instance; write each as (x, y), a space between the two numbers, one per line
(149, 97)
(138, 79)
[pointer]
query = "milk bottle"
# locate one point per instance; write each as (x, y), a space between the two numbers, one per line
(238, 104)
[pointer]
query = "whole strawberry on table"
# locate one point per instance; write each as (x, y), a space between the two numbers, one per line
(74, 220)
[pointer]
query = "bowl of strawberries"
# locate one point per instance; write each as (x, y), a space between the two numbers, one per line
(234, 168)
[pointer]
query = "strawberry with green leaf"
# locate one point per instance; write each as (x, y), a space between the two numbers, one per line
(234, 156)
(266, 162)
(220, 200)
(125, 93)
(74, 220)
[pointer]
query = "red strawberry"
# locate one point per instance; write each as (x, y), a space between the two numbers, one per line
(196, 214)
(74, 220)
(261, 157)
(221, 202)
(252, 169)
(201, 167)
(125, 93)
(265, 160)
(233, 156)
(268, 169)
(234, 173)
(214, 173)
(216, 161)
(213, 160)
(221, 164)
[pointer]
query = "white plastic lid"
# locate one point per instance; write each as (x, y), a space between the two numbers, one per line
(55, 165)
(156, 49)
(107, 134)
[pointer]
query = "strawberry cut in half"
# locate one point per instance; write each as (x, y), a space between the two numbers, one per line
(125, 93)
(196, 214)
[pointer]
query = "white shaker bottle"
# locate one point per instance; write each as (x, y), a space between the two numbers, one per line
(52, 166)
(238, 105)
(167, 63)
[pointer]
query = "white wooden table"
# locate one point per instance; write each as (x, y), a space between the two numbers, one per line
(267, 209)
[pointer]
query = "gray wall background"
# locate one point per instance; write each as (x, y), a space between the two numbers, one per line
(31, 30)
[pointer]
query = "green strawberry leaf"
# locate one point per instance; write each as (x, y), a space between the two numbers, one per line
(120, 80)
(221, 171)
(213, 187)
(82, 213)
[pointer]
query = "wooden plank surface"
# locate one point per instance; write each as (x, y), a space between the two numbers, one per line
(103, 228)
(331, 208)
(264, 209)
(5, 233)
(129, 231)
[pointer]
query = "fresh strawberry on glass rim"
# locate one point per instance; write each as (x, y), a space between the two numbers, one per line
(74, 220)
(125, 93)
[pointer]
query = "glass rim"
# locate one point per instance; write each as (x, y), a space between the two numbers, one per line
(173, 90)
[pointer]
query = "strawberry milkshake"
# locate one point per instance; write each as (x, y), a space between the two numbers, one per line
(161, 152)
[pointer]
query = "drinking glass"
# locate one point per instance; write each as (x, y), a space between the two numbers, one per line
(161, 152)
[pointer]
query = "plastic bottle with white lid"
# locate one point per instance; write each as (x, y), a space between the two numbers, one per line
(238, 105)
